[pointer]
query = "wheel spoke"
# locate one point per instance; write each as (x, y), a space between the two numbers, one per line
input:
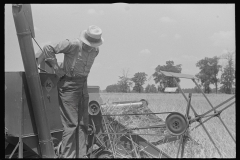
(227, 129)
(179, 146)
(183, 145)
(210, 138)
(220, 120)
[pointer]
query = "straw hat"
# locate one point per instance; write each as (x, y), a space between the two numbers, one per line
(92, 36)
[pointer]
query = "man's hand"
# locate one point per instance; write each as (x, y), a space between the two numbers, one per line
(58, 71)
(52, 62)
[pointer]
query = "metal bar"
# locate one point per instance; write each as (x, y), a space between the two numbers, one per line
(132, 134)
(129, 137)
(20, 148)
(161, 126)
(133, 146)
(114, 139)
(188, 106)
(223, 122)
(217, 106)
(211, 105)
(202, 116)
(22, 15)
(203, 94)
(14, 150)
(183, 145)
(93, 137)
(114, 155)
(32, 134)
(184, 95)
(227, 130)
(212, 116)
(179, 147)
(127, 104)
(213, 109)
(78, 127)
(42, 69)
(196, 113)
(135, 114)
(124, 150)
(210, 138)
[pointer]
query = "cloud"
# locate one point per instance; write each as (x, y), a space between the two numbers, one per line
(177, 36)
(224, 39)
(167, 20)
(145, 52)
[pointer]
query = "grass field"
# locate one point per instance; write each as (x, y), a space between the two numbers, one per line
(176, 102)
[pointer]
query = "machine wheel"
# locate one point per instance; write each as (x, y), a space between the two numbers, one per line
(93, 108)
(104, 154)
(176, 124)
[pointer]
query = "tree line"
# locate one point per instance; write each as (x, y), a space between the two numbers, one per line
(209, 69)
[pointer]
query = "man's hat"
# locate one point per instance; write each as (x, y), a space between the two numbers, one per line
(92, 36)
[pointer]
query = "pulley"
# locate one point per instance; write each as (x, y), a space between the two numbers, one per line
(93, 109)
(176, 124)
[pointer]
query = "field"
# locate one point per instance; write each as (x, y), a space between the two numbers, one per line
(176, 102)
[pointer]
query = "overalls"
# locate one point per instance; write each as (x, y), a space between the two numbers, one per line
(73, 99)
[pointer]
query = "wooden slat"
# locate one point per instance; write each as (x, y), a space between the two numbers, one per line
(178, 75)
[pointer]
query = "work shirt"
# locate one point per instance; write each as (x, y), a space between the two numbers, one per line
(72, 49)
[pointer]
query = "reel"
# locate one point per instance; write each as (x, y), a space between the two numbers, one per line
(93, 108)
(176, 124)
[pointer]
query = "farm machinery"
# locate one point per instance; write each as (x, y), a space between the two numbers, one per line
(33, 126)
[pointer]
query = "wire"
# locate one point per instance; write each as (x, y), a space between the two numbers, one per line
(31, 32)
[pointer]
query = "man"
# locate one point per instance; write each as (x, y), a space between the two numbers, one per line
(73, 96)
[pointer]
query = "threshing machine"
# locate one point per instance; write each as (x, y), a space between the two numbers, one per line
(33, 126)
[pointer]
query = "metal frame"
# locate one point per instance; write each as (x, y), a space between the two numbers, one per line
(20, 141)
(198, 118)
(136, 149)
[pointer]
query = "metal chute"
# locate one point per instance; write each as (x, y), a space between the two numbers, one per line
(25, 31)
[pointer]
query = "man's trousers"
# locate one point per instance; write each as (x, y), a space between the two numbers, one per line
(73, 100)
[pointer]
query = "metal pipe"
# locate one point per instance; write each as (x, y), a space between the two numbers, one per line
(22, 15)
(195, 113)
(135, 114)
(130, 104)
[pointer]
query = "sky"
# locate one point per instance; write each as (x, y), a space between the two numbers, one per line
(137, 37)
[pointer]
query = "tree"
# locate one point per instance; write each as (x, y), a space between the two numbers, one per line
(209, 69)
(228, 76)
(204, 81)
(196, 89)
(113, 88)
(214, 69)
(124, 83)
(151, 89)
(163, 80)
(139, 79)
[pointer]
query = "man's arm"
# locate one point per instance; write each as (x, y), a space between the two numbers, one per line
(48, 54)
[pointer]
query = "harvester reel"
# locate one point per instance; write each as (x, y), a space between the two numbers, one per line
(93, 109)
(176, 124)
